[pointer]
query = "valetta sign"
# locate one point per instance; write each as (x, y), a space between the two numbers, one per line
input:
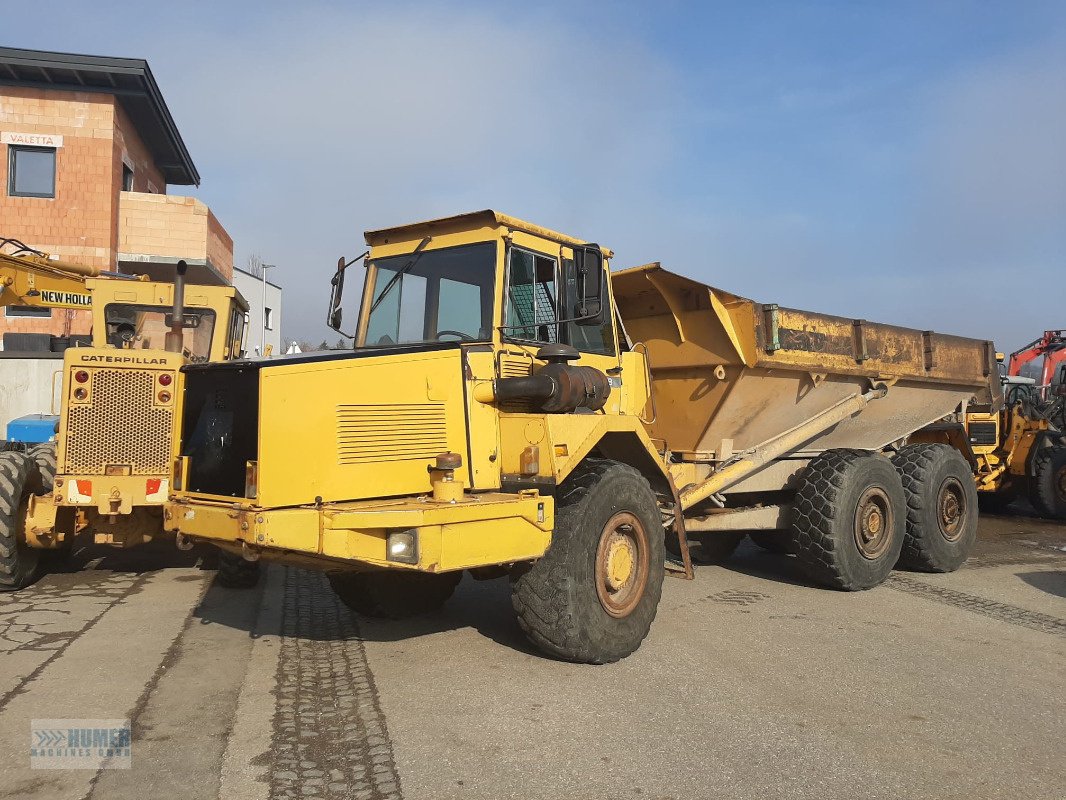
(32, 139)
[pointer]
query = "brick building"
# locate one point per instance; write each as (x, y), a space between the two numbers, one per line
(87, 151)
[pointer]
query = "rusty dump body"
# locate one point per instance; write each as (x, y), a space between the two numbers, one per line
(730, 375)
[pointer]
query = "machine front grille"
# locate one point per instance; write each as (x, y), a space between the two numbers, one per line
(373, 433)
(982, 433)
(120, 425)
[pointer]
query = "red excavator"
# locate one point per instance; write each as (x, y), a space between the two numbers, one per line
(1052, 346)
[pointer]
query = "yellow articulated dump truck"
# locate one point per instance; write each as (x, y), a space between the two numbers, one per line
(512, 408)
(108, 472)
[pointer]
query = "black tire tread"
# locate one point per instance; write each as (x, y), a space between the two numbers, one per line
(815, 512)
(915, 464)
(236, 572)
(44, 456)
(17, 470)
(543, 594)
(1042, 492)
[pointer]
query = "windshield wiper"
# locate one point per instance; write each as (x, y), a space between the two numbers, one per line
(417, 254)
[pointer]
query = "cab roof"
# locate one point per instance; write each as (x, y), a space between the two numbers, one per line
(486, 218)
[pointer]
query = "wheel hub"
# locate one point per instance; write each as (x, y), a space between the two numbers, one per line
(619, 562)
(873, 522)
(951, 509)
(622, 564)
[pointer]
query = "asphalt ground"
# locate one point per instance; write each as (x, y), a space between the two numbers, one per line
(753, 683)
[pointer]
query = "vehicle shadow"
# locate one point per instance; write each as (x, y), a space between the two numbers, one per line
(484, 606)
(298, 604)
(750, 559)
(86, 561)
(1052, 582)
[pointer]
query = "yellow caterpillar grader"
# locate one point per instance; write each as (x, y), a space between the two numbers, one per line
(108, 472)
(512, 408)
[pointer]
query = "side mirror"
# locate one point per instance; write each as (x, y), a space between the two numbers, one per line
(336, 297)
(588, 266)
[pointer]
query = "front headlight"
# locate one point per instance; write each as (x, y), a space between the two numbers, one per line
(402, 546)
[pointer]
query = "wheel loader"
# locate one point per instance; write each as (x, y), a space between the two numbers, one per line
(107, 474)
(1016, 449)
(512, 408)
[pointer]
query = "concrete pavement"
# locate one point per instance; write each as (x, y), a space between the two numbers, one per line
(752, 684)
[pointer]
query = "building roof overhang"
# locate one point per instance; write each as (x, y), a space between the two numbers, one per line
(128, 79)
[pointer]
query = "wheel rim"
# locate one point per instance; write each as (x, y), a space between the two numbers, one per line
(951, 509)
(873, 523)
(622, 564)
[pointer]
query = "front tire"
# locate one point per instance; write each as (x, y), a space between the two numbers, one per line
(848, 519)
(1047, 490)
(18, 562)
(941, 507)
(392, 594)
(593, 595)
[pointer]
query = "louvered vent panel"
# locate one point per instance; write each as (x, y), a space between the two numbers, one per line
(119, 426)
(373, 433)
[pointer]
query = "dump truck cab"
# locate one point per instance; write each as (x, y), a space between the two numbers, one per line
(404, 434)
(510, 407)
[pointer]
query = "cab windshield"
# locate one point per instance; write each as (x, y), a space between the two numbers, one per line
(146, 328)
(432, 296)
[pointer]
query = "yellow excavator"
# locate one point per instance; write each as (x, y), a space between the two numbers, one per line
(108, 470)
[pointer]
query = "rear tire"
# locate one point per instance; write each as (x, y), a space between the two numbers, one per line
(593, 595)
(780, 542)
(236, 572)
(1047, 490)
(391, 594)
(941, 507)
(18, 563)
(848, 519)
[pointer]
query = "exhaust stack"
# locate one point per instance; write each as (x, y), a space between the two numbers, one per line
(175, 338)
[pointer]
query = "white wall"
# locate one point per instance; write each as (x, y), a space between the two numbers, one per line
(252, 289)
(26, 387)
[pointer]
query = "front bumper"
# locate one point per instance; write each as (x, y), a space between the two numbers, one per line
(480, 530)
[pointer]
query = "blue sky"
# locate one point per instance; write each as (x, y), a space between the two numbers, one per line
(903, 162)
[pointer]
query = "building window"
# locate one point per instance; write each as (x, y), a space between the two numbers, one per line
(268, 318)
(27, 311)
(31, 171)
(127, 178)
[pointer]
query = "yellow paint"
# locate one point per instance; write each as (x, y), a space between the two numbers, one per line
(36, 280)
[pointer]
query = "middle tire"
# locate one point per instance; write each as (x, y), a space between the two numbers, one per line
(236, 572)
(593, 595)
(848, 519)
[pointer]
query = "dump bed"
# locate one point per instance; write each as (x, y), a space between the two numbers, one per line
(729, 373)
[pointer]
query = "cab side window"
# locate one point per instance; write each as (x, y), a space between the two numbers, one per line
(532, 298)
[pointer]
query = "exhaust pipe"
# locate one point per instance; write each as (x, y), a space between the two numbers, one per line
(175, 340)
